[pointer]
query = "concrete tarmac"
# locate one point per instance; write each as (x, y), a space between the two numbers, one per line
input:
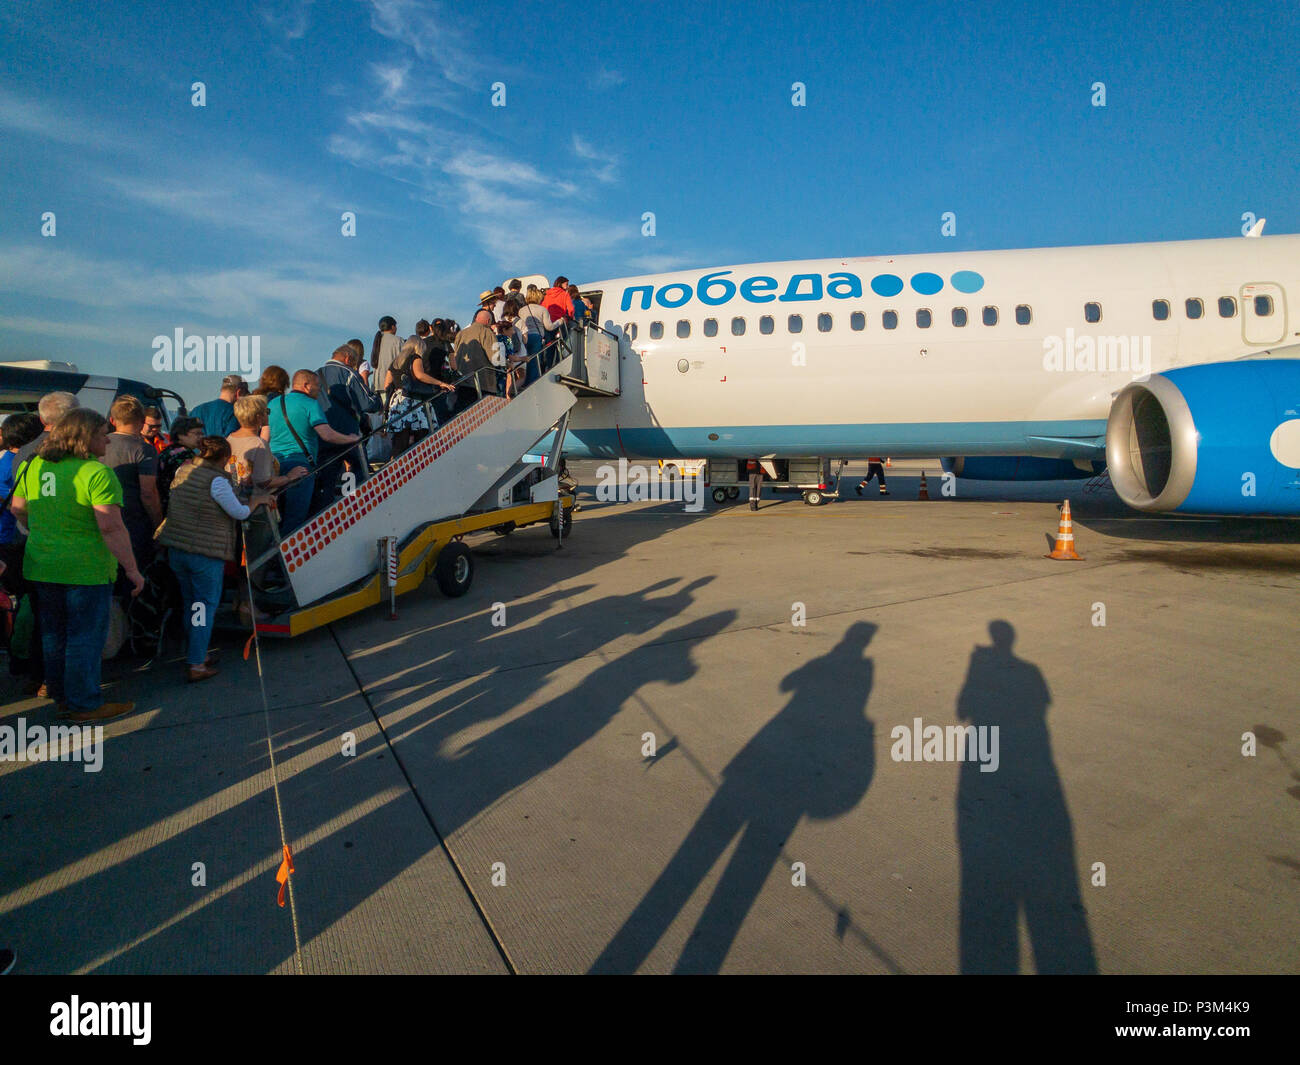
(676, 744)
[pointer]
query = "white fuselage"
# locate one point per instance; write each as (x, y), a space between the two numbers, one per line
(1014, 387)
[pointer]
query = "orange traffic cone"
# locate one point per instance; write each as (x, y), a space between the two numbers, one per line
(924, 493)
(1064, 549)
(889, 463)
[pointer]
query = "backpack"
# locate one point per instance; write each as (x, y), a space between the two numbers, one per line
(412, 385)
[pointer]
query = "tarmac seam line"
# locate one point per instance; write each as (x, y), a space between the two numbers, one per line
(428, 815)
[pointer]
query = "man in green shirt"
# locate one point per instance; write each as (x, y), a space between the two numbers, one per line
(72, 506)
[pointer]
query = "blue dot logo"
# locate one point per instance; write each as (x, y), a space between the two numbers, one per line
(926, 284)
(886, 285)
(967, 281)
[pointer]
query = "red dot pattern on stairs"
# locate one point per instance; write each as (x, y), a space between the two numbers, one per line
(337, 519)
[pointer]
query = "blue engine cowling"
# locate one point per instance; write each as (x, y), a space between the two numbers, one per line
(1223, 438)
(1018, 468)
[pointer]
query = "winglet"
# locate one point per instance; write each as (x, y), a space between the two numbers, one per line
(1256, 229)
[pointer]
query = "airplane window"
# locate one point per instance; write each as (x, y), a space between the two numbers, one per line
(683, 329)
(823, 323)
(710, 327)
(795, 323)
(857, 321)
(766, 324)
(990, 316)
(889, 319)
(1092, 312)
(1263, 306)
(1024, 315)
(1195, 308)
(738, 327)
(959, 316)
(1160, 310)
(656, 330)
(923, 318)
(1227, 307)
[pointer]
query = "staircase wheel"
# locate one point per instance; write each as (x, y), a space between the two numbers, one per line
(454, 570)
(568, 523)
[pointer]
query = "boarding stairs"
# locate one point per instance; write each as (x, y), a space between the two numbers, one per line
(473, 464)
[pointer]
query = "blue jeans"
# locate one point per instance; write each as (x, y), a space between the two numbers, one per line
(74, 627)
(200, 578)
(533, 344)
(296, 504)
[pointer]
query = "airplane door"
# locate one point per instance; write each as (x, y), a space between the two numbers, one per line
(1263, 313)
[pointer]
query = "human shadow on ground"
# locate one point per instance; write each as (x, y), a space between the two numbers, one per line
(1013, 827)
(815, 758)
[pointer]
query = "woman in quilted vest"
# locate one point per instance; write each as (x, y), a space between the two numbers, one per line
(199, 534)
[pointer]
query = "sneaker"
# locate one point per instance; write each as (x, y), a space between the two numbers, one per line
(194, 674)
(8, 959)
(858, 488)
(107, 712)
(884, 491)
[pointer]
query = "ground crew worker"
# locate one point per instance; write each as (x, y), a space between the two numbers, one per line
(875, 468)
(755, 482)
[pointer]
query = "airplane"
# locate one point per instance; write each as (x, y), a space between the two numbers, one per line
(1175, 366)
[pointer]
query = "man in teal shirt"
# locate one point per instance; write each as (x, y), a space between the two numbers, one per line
(297, 425)
(218, 415)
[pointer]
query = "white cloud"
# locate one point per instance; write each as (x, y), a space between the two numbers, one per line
(392, 77)
(606, 171)
(56, 329)
(433, 36)
(512, 195)
(117, 295)
(233, 195)
(225, 192)
(25, 115)
(290, 21)
(479, 167)
(604, 78)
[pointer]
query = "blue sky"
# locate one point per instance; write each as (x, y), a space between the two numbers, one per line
(226, 218)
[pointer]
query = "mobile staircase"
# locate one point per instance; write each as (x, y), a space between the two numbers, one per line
(406, 520)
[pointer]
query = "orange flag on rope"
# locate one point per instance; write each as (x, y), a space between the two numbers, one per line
(286, 867)
(248, 645)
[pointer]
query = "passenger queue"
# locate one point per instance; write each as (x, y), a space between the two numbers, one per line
(101, 509)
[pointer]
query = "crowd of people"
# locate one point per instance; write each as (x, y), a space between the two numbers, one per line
(93, 504)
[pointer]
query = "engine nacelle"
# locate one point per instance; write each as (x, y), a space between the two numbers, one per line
(1223, 438)
(1019, 468)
